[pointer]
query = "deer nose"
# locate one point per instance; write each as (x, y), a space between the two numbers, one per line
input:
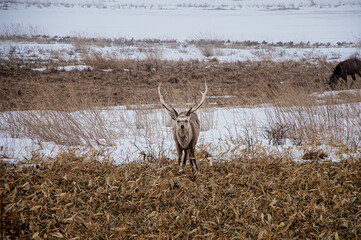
(182, 126)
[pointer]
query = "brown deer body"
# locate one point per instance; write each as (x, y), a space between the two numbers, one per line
(186, 130)
(350, 66)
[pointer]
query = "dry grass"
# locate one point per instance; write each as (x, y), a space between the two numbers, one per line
(99, 60)
(81, 44)
(72, 197)
(152, 56)
(63, 115)
(135, 82)
(316, 119)
(64, 128)
(15, 31)
(209, 44)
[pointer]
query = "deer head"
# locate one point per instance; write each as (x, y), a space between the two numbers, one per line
(182, 120)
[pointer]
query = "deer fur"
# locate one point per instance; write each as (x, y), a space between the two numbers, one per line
(350, 66)
(186, 130)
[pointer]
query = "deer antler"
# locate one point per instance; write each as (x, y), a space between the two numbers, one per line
(193, 109)
(170, 109)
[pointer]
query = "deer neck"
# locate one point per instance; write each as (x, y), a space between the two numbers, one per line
(184, 140)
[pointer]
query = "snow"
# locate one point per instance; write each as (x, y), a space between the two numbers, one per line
(327, 29)
(69, 68)
(184, 52)
(226, 131)
(354, 92)
(144, 130)
(272, 21)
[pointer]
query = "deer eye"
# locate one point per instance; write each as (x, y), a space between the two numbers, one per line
(178, 121)
(186, 121)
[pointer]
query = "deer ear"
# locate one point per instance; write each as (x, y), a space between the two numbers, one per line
(174, 114)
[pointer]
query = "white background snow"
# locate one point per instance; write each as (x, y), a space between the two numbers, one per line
(276, 20)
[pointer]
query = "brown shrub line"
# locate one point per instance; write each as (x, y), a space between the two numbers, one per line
(247, 198)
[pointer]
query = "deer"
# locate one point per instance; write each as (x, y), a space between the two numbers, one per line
(186, 128)
(350, 66)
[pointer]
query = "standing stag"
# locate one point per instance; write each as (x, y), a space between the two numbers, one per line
(186, 129)
(351, 67)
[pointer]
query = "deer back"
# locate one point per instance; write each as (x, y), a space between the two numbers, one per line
(350, 66)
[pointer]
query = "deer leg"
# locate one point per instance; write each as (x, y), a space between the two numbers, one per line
(179, 151)
(353, 76)
(353, 79)
(193, 158)
(344, 77)
(190, 158)
(179, 157)
(185, 158)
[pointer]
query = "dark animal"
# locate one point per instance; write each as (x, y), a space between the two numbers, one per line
(350, 66)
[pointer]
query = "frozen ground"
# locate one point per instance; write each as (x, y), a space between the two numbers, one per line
(248, 30)
(328, 30)
(256, 20)
(146, 132)
(180, 51)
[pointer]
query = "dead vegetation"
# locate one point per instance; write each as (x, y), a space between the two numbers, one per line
(135, 82)
(246, 197)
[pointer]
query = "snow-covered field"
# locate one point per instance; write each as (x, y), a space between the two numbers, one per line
(257, 20)
(328, 29)
(134, 133)
(181, 51)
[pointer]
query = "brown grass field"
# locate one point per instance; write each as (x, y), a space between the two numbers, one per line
(242, 198)
(251, 196)
(135, 82)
